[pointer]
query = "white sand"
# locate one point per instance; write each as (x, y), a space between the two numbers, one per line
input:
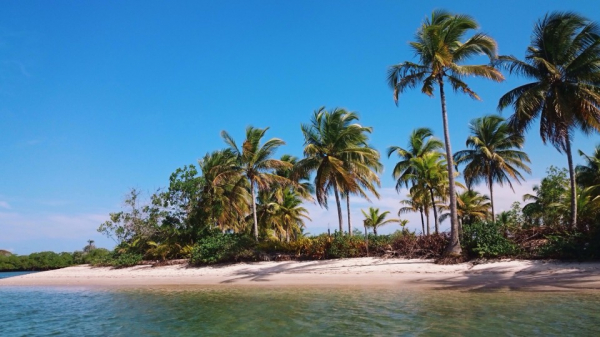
(532, 275)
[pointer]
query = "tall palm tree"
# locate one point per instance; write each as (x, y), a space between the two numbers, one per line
(364, 170)
(373, 219)
(562, 62)
(430, 175)
(413, 205)
(254, 162)
(335, 149)
(493, 154)
(441, 56)
(420, 142)
(588, 175)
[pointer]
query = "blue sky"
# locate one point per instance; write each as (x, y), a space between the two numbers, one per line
(98, 97)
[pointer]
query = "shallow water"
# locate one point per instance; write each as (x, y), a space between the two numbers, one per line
(6, 274)
(286, 311)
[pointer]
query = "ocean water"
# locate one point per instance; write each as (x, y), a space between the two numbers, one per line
(286, 311)
(5, 274)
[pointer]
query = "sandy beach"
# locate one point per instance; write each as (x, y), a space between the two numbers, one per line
(515, 275)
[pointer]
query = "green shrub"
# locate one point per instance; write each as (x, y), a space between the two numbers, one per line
(125, 260)
(343, 246)
(484, 239)
(571, 246)
(217, 247)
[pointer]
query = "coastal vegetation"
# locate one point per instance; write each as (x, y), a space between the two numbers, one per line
(243, 203)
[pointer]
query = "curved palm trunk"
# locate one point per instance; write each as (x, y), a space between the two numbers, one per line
(375, 230)
(491, 183)
(435, 216)
(573, 186)
(454, 244)
(349, 223)
(339, 208)
(254, 210)
(422, 220)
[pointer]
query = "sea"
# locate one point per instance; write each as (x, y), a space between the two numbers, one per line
(294, 311)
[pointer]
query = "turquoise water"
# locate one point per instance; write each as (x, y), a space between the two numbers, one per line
(39, 311)
(5, 274)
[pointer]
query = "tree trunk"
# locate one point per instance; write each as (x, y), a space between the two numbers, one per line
(339, 208)
(422, 220)
(427, 216)
(491, 182)
(435, 216)
(287, 235)
(367, 240)
(349, 223)
(375, 230)
(454, 244)
(254, 210)
(573, 186)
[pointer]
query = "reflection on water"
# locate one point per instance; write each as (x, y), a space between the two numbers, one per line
(331, 311)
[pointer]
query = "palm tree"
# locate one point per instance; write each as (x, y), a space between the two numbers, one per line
(364, 170)
(421, 142)
(441, 55)
(224, 191)
(335, 148)
(289, 214)
(254, 162)
(562, 61)
(472, 206)
(493, 154)
(588, 175)
(375, 220)
(430, 175)
(414, 204)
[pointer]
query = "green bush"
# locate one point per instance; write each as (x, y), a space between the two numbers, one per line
(217, 247)
(126, 260)
(484, 239)
(342, 246)
(571, 246)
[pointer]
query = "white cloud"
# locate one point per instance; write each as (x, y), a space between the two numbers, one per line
(5, 205)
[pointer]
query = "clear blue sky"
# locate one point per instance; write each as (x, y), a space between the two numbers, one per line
(97, 97)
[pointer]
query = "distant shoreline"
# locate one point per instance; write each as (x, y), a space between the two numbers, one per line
(401, 273)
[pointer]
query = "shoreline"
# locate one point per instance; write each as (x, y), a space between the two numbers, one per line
(411, 274)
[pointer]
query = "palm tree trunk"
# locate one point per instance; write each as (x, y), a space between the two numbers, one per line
(339, 208)
(254, 210)
(349, 223)
(287, 235)
(491, 182)
(427, 215)
(422, 220)
(367, 240)
(375, 230)
(435, 216)
(573, 186)
(454, 244)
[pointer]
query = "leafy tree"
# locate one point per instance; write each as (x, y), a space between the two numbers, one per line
(441, 56)
(562, 62)
(416, 203)
(254, 162)
(551, 192)
(373, 219)
(493, 155)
